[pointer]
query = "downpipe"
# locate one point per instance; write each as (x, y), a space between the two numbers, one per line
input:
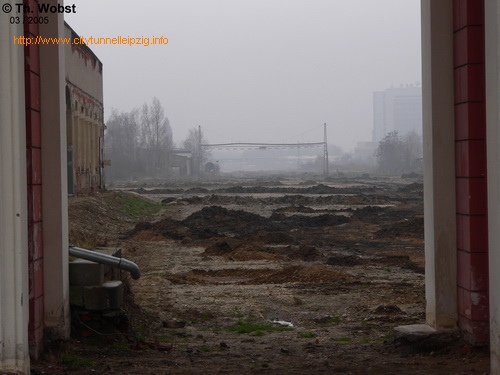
(109, 260)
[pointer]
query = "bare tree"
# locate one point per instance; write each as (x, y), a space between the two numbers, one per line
(139, 142)
(121, 143)
(193, 143)
(156, 137)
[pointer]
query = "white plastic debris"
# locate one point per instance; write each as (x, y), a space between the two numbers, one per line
(283, 323)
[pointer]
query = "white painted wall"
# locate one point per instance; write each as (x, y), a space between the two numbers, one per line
(54, 177)
(83, 68)
(14, 295)
(492, 33)
(439, 164)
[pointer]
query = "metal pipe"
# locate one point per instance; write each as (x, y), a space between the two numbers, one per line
(109, 260)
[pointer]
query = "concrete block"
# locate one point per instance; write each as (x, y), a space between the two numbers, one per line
(95, 298)
(414, 331)
(85, 273)
(107, 296)
(114, 291)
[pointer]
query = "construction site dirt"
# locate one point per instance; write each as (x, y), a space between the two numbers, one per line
(278, 275)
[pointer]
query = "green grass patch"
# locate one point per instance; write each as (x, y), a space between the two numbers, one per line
(389, 336)
(206, 348)
(138, 207)
(257, 329)
(74, 361)
(343, 339)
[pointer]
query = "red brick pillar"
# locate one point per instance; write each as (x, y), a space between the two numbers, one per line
(34, 174)
(470, 148)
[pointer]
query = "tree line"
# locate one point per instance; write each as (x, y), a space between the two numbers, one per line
(139, 143)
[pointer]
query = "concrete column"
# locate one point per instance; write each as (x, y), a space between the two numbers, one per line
(14, 295)
(54, 176)
(492, 40)
(439, 164)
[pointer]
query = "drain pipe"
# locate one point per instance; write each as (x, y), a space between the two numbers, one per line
(109, 260)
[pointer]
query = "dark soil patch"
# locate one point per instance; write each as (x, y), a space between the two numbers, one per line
(223, 246)
(299, 221)
(413, 227)
(291, 274)
(221, 221)
(401, 261)
(167, 228)
(344, 260)
(271, 238)
(414, 187)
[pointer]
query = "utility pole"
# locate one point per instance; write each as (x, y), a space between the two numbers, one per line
(325, 153)
(199, 150)
(298, 155)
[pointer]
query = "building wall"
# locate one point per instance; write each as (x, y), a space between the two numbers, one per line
(470, 169)
(397, 109)
(54, 181)
(84, 117)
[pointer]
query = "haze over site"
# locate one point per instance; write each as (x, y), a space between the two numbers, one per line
(256, 71)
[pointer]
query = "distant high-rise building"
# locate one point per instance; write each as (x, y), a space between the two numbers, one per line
(397, 109)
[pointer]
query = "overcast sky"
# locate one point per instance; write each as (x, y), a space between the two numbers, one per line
(257, 70)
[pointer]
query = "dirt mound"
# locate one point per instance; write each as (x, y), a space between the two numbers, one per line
(223, 246)
(413, 227)
(148, 235)
(271, 238)
(233, 249)
(221, 221)
(167, 228)
(416, 186)
(388, 310)
(302, 221)
(292, 274)
(320, 189)
(94, 220)
(253, 253)
(303, 252)
(344, 260)
(216, 221)
(401, 261)
(311, 274)
(370, 214)
(299, 208)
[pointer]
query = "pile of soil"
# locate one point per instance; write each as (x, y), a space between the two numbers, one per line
(412, 227)
(291, 274)
(216, 221)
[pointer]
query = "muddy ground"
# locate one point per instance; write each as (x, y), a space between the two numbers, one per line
(277, 275)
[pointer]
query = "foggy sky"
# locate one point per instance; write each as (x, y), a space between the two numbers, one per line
(256, 70)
